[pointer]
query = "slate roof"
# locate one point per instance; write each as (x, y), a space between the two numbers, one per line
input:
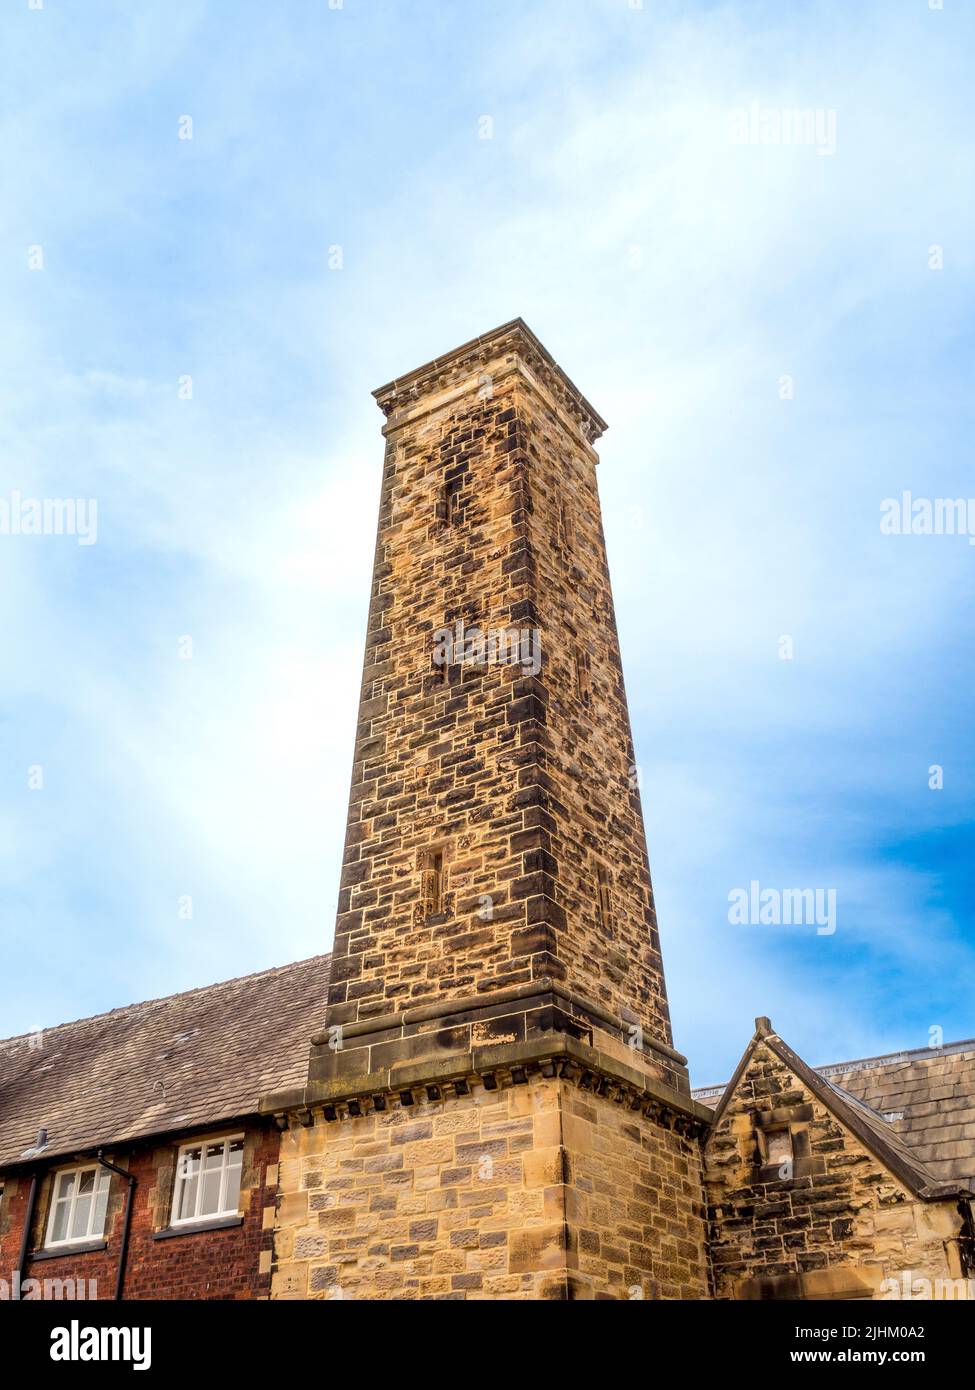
(929, 1097)
(918, 1105)
(169, 1064)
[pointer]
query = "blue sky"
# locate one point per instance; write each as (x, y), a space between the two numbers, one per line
(677, 275)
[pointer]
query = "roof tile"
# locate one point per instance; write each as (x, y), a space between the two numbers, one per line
(168, 1064)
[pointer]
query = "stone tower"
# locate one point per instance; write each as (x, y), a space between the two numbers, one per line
(494, 1108)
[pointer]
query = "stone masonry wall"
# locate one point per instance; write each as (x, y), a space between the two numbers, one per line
(587, 761)
(531, 1191)
(489, 517)
(495, 895)
(838, 1227)
(634, 1203)
(437, 763)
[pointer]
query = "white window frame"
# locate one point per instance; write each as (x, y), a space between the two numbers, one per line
(202, 1144)
(103, 1183)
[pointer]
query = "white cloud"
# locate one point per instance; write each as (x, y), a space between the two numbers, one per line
(245, 517)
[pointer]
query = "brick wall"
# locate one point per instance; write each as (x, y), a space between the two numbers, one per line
(232, 1263)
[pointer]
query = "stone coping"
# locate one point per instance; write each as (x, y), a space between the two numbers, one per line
(446, 377)
(502, 1063)
(545, 984)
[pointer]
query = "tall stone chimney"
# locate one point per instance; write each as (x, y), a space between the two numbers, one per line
(494, 1107)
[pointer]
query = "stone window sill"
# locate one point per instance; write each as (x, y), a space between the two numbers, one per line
(65, 1252)
(217, 1223)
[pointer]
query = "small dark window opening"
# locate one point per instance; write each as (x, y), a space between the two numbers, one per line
(604, 893)
(430, 862)
(583, 683)
(441, 668)
(566, 528)
(451, 503)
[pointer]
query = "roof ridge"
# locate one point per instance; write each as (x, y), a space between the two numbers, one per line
(167, 998)
(962, 1045)
(881, 1138)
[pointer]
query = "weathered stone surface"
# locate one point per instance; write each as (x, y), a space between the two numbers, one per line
(780, 1231)
(490, 517)
(601, 1202)
(495, 855)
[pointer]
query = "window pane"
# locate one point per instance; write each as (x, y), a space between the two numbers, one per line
(189, 1168)
(101, 1205)
(210, 1200)
(189, 1164)
(65, 1184)
(236, 1152)
(86, 1181)
(214, 1155)
(187, 1200)
(81, 1217)
(59, 1229)
(232, 1199)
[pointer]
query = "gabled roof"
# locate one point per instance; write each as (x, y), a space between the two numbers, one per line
(869, 1126)
(169, 1064)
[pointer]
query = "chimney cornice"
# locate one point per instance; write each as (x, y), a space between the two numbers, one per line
(514, 345)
